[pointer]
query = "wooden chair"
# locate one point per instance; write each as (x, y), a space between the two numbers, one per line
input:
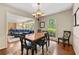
(47, 36)
(39, 30)
(66, 37)
(48, 39)
(25, 44)
(43, 42)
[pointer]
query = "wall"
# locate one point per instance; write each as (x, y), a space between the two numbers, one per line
(19, 25)
(3, 22)
(23, 25)
(63, 22)
(36, 25)
(11, 26)
(3, 40)
(75, 32)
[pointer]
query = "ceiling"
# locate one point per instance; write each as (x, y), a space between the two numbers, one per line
(47, 8)
(12, 18)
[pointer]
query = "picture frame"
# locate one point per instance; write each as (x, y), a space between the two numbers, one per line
(42, 24)
(76, 15)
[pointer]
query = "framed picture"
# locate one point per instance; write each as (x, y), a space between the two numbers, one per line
(77, 17)
(42, 24)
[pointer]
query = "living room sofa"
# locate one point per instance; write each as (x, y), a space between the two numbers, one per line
(17, 32)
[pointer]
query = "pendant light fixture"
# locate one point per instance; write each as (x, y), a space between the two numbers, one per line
(38, 13)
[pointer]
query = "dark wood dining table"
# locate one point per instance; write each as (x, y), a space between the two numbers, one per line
(34, 37)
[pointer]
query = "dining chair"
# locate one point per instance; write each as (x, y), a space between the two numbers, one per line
(66, 37)
(42, 42)
(39, 30)
(48, 38)
(25, 44)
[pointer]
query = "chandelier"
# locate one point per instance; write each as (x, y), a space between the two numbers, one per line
(38, 13)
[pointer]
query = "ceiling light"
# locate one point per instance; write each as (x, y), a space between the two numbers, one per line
(38, 13)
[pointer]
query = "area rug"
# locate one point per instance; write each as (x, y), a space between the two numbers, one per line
(51, 50)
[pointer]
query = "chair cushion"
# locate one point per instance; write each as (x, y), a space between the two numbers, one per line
(29, 43)
(41, 42)
(66, 35)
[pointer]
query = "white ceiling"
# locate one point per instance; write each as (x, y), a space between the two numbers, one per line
(12, 18)
(47, 8)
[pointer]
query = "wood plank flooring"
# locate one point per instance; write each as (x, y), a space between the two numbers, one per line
(53, 49)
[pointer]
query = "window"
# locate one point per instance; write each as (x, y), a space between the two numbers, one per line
(52, 27)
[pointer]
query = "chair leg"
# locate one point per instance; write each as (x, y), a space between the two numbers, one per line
(46, 47)
(42, 49)
(21, 50)
(32, 51)
(58, 41)
(35, 48)
(68, 43)
(27, 51)
(48, 42)
(64, 43)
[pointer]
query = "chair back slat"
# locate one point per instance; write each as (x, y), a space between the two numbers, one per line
(22, 40)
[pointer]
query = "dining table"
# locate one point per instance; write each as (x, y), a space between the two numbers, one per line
(33, 38)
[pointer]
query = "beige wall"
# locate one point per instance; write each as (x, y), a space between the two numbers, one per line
(63, 22)
(11, 26)
(3, 40)
(19, 25)
(75, 32)
(3, 22)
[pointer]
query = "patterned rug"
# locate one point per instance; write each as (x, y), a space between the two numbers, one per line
(51, 50)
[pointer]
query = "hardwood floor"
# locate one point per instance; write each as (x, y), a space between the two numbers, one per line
(67, 50)
(53, 49)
